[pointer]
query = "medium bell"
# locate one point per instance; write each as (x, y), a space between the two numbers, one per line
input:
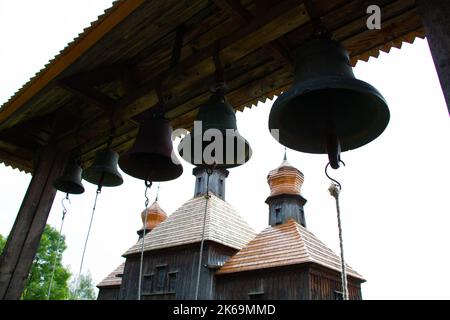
(70, 180)
(327, 110)
(103, 172)
(215, 139)
(151, 158)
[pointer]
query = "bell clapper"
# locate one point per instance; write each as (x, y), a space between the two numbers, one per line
(334, 151)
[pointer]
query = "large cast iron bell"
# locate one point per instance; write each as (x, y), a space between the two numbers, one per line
(151, 158)
(201, 148)
(70, 180)
(327, 110)
(103, 171)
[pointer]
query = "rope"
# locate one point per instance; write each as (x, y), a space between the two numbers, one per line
(99, 190)
(200, 257)
(57, 246)
(335, 189)
(148, 185)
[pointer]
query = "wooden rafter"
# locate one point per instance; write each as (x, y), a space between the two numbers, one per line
(239, 13)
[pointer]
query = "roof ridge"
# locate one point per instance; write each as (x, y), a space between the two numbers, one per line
(300, 236)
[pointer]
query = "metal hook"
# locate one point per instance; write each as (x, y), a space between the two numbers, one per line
(328, 176)
(148, 185)
(62, 202)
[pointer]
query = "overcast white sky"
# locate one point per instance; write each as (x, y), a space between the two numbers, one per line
(395, 197)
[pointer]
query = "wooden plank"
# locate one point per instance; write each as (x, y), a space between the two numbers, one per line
(23, 240)
(286, 16)
(243, 16)
(283, 18)
(15, 156)
(392, 29)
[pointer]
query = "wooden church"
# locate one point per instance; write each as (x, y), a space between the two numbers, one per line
(284, 261)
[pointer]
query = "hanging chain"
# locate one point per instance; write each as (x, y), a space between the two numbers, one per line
(209, 171)
(148, 185)
(58, 244)
(99, 190)
(334, 189)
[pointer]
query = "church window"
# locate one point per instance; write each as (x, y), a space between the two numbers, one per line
(160, 279)
(278, 219)
(172, 281)
(220, 187)
(199, 183)
(147, 283)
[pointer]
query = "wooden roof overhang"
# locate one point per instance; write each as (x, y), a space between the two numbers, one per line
(110, 72)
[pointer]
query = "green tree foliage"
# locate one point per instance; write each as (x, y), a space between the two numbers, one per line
(39, 278)
(82, 288)
(2, 243)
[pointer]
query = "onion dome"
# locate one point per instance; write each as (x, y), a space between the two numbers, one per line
(155, 215)
(285, 179)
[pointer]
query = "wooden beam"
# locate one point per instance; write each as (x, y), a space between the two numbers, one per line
(17, 155)
(242, 16)
(435, 17)
(83, 86)
(23, 240)
(89, 94)
(178, 45)
(281, 19)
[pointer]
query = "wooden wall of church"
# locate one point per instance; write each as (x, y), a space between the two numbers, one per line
(287, 283)
(108, 293)
(325, 284)
(172, 273)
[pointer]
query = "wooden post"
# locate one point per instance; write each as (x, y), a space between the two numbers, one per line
(23, 240)
(435, 17)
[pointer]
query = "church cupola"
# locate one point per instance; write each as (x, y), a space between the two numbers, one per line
(216, 181)
(285, 200)
(155, 215)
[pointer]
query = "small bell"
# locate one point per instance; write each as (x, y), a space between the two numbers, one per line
(215, 139)
(70, 180)
(151, 158)
(103, 172)
(327, 110)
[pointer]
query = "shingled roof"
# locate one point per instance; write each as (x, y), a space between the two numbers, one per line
(223, 225)
(282, 245)
(114, 278)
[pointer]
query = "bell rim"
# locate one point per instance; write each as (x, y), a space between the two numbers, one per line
(125, 162)
(324, 83)
(218, 166)
(329, 82)
(95, 179)
(58, 185)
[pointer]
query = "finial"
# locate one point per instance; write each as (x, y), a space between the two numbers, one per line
(285, 156)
